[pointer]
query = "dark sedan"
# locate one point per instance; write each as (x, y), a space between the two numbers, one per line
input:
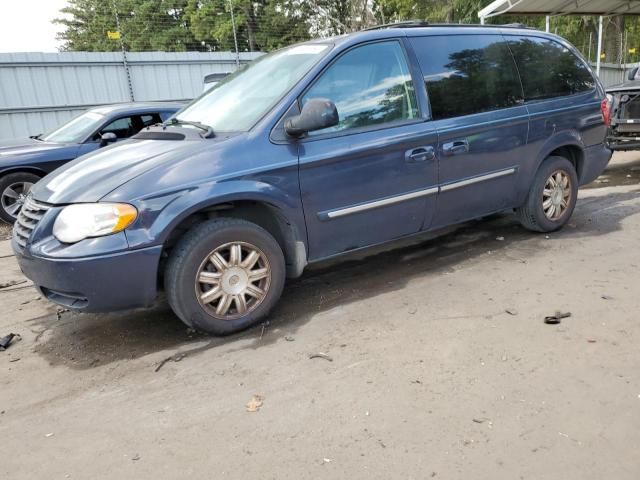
(24, 161)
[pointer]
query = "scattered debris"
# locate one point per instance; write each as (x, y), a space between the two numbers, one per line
(264, 327)
(7, 339)
(326, 460)
(49, 435)
(500, 239)
(412, 310)
(11, 283)
(173, 358)
(13, 360)
(591, 340)
(136, 457)
(255, 403)
(320, 355)
(289, 339)
(512, 311)
(606, 297)
(481, 420)
(59, 313)
(556, 317)
(416, 381)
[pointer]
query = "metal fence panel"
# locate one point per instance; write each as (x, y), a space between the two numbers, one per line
(38, 91)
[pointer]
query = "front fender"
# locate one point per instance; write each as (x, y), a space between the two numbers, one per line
(161, 214)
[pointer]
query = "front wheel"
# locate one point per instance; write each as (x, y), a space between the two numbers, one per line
(13, 192)
(224, 275)
(552, 196)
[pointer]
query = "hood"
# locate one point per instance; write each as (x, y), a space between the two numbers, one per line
(24, 148)
(91, 177)
(628, 86)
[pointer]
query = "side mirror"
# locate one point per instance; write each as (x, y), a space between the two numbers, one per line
(632, 74)
(317, 113)
(107, 138)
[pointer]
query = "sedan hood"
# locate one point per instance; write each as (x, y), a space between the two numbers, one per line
(92, 176)
(19, 149)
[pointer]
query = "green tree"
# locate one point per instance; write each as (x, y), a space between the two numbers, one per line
(144, 25)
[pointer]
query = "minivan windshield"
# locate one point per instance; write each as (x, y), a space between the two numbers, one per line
(76, 130)
(240, 100)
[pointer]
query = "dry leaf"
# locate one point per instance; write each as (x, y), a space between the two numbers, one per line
(255, 403)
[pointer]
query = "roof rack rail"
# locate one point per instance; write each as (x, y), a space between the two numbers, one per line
(403, 24)
(424, 23)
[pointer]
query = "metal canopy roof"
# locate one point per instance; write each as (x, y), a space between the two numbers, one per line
(561, 7)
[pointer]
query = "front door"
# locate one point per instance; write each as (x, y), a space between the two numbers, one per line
(373, 177)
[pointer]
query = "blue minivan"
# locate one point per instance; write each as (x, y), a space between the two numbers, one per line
(313, 151)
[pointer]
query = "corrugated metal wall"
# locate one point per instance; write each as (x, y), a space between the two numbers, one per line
(38, 91)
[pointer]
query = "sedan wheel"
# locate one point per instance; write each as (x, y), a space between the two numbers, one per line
(13, 197)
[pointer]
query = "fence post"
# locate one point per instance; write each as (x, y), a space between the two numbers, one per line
(124, 53)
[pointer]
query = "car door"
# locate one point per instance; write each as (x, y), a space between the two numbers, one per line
(373, 177)
(477, 108)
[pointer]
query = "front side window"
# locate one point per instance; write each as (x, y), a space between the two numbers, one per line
(122, 127)
(549, 69)
(466, 74)
(370, 85)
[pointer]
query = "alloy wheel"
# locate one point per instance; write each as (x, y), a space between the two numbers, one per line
(233, 280)
(556, 195)
(14, 196)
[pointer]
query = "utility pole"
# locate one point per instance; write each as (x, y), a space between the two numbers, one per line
(235, 36)
(124, 51)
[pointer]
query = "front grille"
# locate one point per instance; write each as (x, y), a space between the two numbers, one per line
(29, 216)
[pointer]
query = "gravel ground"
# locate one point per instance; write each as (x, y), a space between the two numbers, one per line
(441, 366)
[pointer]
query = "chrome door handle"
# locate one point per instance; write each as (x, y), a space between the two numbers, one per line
(456, 147)
(420, 154)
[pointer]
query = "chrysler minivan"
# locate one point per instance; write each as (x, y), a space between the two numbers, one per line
(313, 151)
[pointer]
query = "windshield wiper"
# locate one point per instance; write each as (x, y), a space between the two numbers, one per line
(206, 128)
(36, 137)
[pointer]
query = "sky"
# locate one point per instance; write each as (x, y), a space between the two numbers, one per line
(25, 25)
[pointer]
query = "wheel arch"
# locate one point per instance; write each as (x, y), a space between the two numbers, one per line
(23, 169)
(568, 145)
(252, 207)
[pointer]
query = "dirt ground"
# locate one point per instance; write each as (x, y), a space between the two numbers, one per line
(430, 376)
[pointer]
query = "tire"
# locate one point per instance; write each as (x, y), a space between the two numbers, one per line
(532, 214)
(191, 260)
(10, 186)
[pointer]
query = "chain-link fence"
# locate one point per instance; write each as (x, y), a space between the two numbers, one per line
(265, 25)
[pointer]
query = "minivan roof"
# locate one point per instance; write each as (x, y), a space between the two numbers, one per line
(420, 28)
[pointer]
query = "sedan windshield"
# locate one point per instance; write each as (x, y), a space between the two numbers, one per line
(76, 130)
(240, 100)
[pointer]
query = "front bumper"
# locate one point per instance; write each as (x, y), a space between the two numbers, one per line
(596, 159)
(104, 283)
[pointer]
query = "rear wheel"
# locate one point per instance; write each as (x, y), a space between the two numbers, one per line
(224, 275)
(13, 192)
(552, 197)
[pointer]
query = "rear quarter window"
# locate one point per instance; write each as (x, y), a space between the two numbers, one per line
(466, 74)
(549, 69)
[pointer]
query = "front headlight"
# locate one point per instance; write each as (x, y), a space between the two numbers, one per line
(84, 220)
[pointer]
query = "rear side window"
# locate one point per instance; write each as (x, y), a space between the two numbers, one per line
(548, 69)
(467, 74)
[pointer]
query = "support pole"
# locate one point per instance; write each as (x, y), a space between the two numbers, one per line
(547, 22)
(235, 37)
(481, 20)
(599, 52)
(125, 63)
